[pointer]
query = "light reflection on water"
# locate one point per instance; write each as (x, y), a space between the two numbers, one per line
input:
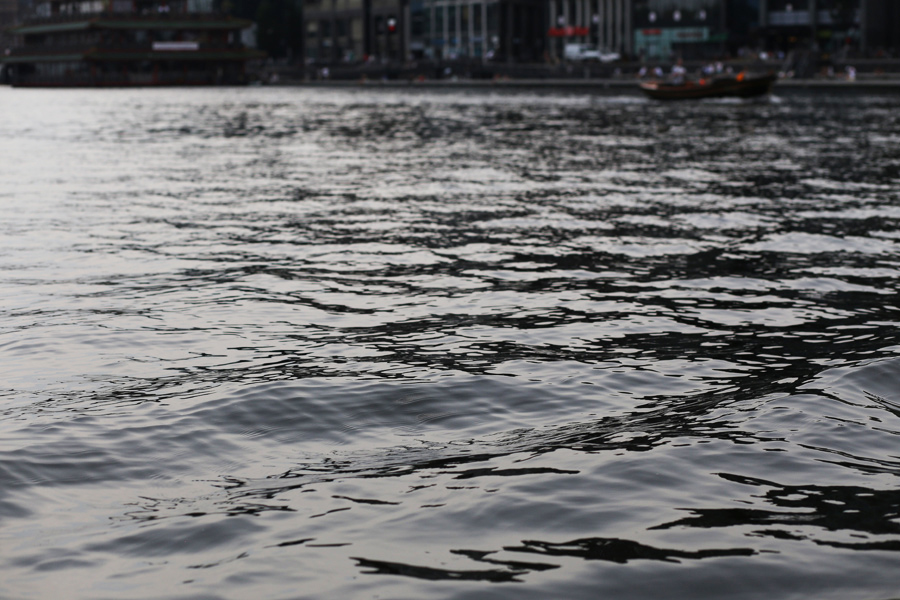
(296, 343)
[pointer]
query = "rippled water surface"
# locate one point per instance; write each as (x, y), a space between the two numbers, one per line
(293, 343)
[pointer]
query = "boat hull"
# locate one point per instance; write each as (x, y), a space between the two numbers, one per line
(747, 87)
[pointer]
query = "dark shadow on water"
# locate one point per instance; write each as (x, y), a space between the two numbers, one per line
(606, 549)
(380, 567)
(621, 551)
(830, 508)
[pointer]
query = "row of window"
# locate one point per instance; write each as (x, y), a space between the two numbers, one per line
(137, 37)
(448, 21)
(89, 7)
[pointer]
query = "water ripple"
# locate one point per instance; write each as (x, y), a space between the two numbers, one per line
(310, 343)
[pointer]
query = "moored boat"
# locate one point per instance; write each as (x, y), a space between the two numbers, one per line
(128, 42)
(742, 85)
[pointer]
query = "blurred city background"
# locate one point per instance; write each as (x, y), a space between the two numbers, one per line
(280, 40)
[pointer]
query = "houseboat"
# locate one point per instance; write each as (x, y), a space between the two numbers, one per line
(128, 43)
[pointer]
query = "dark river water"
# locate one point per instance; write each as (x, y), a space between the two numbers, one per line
(297, 343)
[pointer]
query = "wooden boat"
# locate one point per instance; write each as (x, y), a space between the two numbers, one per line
(741, 85)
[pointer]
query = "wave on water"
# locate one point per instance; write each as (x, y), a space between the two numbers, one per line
(291, 344)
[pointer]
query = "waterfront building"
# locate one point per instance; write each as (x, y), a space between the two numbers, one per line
(672, 29)
(461, 29)
(9, 13)
(520, 31)
(526, 30)
(605, 24)
(814, 25)
(880, 33)
(127, 42)
(538, 31)
(868, 27)
(351, 31)
(348, 31)
(494, 30)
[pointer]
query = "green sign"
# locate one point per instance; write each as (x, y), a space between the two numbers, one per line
(657, 42)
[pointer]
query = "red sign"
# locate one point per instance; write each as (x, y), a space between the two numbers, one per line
(651, 31)
(568, 31)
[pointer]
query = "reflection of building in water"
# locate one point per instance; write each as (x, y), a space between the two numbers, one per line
(127, 42)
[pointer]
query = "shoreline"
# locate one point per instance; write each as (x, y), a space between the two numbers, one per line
(587, 85)
(607, 86)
